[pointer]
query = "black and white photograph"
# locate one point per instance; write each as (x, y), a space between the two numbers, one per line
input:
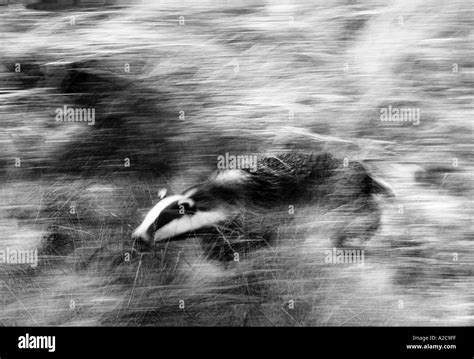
(250, 163)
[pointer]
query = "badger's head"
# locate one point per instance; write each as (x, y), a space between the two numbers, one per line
(202, 206)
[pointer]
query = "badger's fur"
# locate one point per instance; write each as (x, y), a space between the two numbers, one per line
(236, 210)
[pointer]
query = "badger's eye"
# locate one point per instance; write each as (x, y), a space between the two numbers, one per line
(186, 208)
(174, 211)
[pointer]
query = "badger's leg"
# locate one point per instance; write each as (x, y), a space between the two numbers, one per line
(361, 225)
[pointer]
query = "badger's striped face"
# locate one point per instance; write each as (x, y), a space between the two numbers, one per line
(198, 207)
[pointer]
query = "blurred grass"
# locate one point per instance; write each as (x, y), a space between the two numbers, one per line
(242, 74)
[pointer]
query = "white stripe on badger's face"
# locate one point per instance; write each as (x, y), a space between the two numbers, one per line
(184, 223)
(187, 223)
(141, 231)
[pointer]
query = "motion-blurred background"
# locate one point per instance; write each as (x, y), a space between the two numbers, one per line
(173, 85)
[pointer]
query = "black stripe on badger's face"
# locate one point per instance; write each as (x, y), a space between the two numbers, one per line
(169, 207)
(176, 215)
(200, 206)
(169, 214)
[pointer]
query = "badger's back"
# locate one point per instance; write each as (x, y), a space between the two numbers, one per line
(306, 176)
(271, 199)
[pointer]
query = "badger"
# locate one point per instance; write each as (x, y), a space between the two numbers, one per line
(236, 210)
